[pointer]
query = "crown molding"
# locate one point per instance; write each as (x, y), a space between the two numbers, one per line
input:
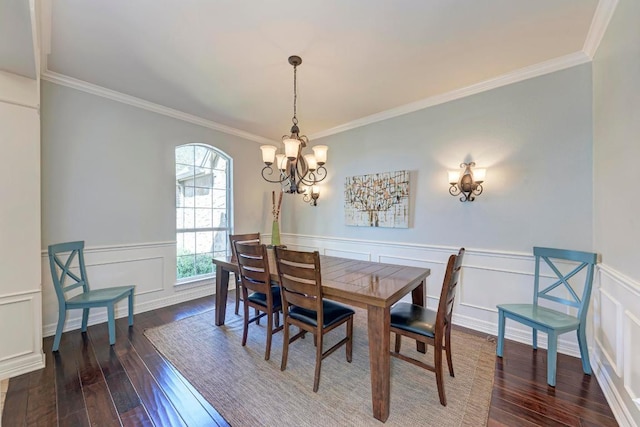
(43, 9)
(516, 76)
(599, 24)
(87, 87)
(536, 70)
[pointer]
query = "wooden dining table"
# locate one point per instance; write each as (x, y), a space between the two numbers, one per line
(370, 285)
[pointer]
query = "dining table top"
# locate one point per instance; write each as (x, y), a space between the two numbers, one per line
(356, 282)
(370, 285)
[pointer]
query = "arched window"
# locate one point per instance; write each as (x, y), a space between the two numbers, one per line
(203, 208)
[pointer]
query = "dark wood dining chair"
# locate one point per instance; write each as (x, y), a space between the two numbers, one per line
(61, 258)
(242, 238)
(253, 267)
(303, 306)
(429, 326)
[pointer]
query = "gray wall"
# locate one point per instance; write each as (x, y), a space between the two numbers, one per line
(108, 171)
(616, 92)
(534, 138)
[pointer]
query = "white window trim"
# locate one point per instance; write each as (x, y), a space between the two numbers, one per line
(207, 279)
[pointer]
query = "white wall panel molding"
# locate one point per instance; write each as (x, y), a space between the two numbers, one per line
(609, 389)
(626, 282)
(150, 266)
(322, 241)
(617, 342)
(509, 274)
(87, 87)
(631, 349)
(21, 352)
(118, 248)
(392, 259)
(362, 256)
(610, 327)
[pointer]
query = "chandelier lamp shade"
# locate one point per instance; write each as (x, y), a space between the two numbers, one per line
(467, 182)
(291, 168)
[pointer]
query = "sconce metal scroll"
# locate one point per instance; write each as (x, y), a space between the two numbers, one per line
(311, 195)
(468, 182)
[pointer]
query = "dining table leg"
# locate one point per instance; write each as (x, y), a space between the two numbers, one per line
(222, 288)
(380, 360)
(418, 298)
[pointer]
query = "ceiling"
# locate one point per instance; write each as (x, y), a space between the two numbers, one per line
(226, 60)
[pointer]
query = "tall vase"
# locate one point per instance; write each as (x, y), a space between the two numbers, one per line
(275, 234)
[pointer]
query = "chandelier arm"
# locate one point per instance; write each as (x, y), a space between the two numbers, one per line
(454, 190)
(270, 169)
(302, 169)
(478, 190)
(314, 177)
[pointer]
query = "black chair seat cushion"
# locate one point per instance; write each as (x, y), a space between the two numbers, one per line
(333, 313)
(414, 318)
(261, 299)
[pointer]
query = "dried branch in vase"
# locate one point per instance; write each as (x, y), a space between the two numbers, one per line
(276, 209)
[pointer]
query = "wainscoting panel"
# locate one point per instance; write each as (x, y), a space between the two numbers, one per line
(631, 356)
(488, 278)
(616, 327)
(150, 267)
(496, 277)
(609, 334)
(361, 256)
(20, 352)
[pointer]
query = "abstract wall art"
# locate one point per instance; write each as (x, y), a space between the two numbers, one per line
(377, 200)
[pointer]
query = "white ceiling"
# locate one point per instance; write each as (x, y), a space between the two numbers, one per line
(226, 60)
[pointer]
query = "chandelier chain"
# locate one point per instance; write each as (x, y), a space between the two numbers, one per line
(295, 94)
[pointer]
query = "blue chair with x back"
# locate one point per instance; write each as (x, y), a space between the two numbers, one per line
(61, 257)
(548, 320)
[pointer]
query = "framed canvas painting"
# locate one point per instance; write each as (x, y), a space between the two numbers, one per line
(377, 200)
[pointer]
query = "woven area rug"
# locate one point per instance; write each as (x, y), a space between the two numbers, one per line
(249, 391)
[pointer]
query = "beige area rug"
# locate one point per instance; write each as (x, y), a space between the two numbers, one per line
(249, 391)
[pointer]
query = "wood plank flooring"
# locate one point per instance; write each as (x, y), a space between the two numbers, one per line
(130, 384)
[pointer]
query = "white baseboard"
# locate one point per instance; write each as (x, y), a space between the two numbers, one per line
(22, 365)
(616, 403)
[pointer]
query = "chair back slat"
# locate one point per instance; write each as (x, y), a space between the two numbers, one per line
(252, 238)
(251, 261)
(253, 267)
(297, 272)
(550, 256)
(300, 279)
(61, 257)
(448, 292)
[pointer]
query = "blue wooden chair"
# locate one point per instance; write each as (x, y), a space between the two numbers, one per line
(550, 321)
(61, 270)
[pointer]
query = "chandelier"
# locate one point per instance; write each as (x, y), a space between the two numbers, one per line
(295, 170)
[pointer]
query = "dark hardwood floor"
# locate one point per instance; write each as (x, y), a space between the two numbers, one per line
(90, 383)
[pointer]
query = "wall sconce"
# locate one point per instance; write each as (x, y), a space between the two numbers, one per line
(468, 182)
(311, 195)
